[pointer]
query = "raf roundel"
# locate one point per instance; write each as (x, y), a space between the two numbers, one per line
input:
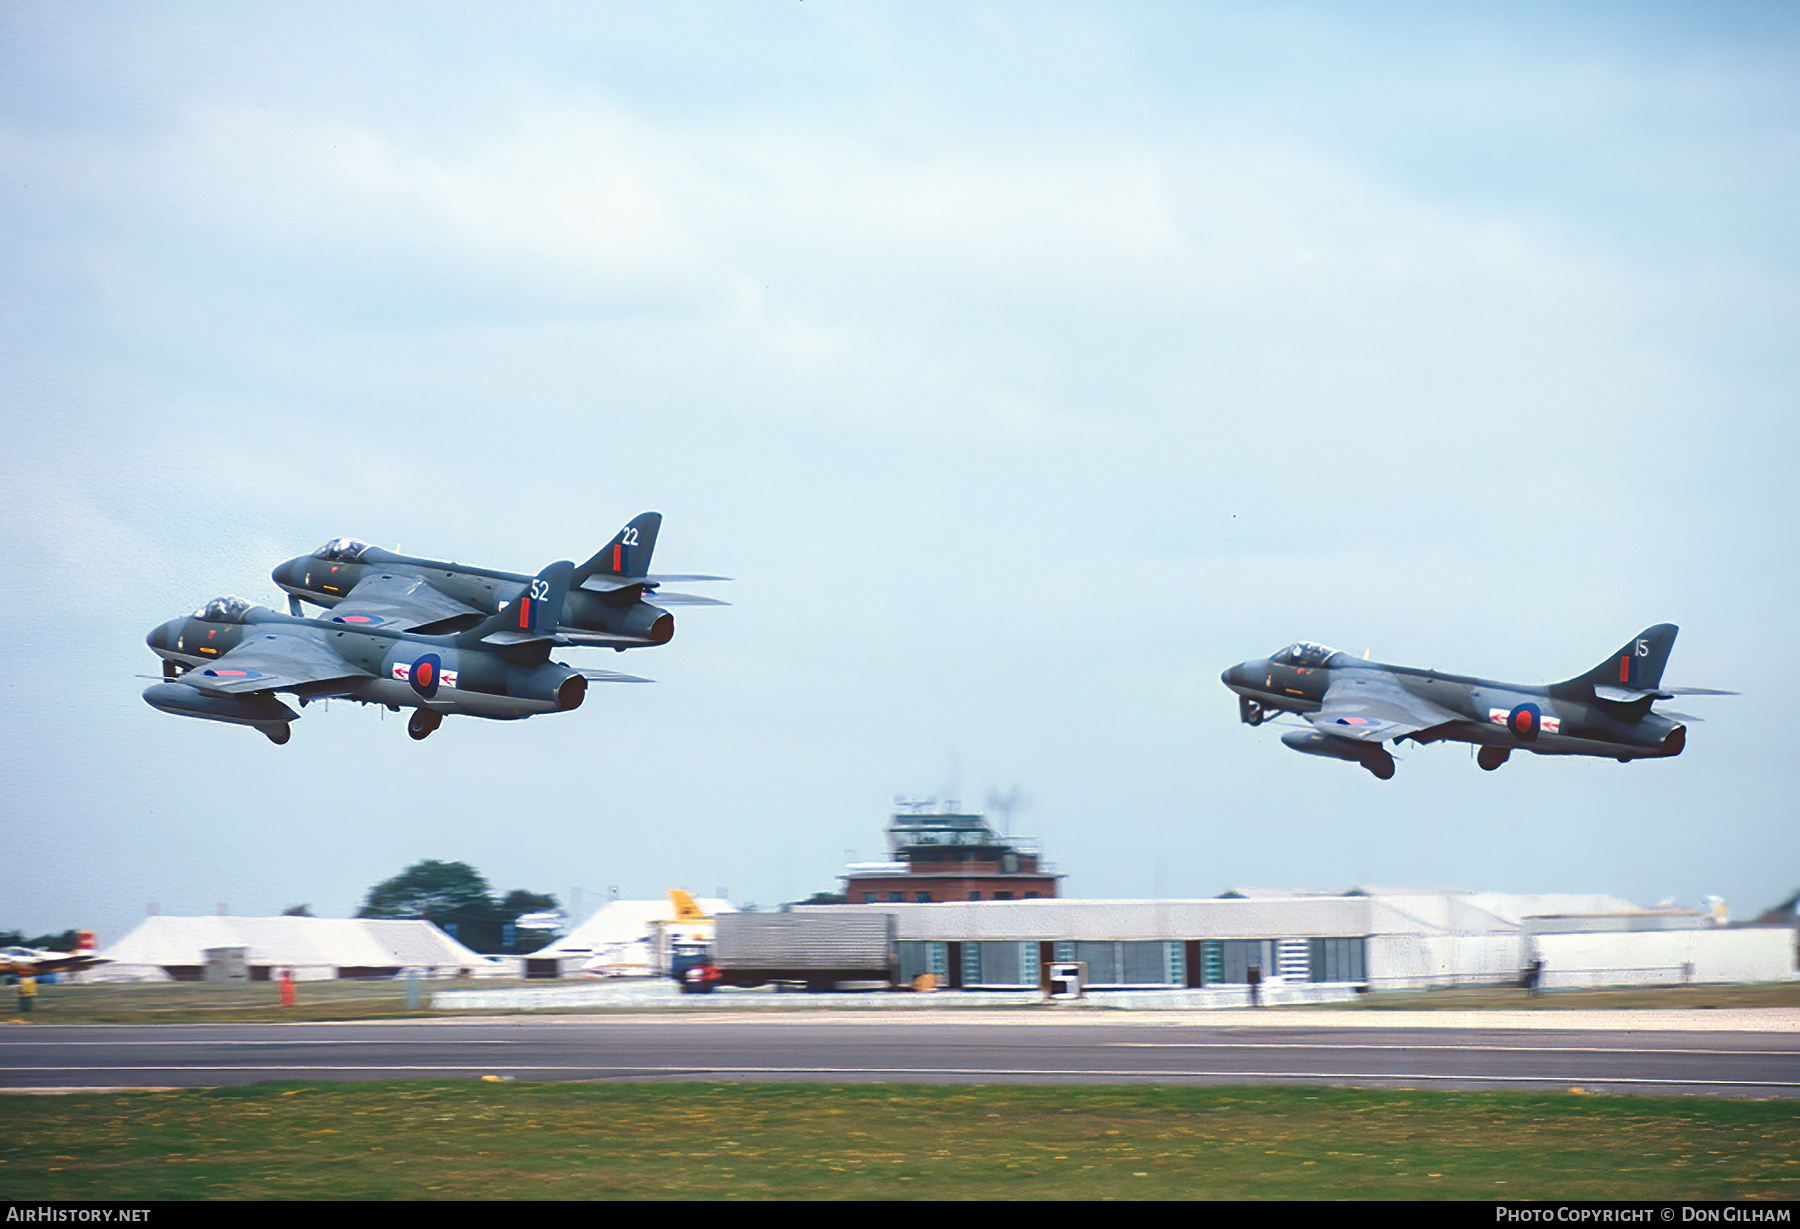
(1524, 722)
(425, 673)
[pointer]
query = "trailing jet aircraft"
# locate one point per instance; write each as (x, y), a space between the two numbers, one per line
(1354, 705)
(227, 660)
(606, 606)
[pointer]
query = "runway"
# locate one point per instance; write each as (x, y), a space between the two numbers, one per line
(1615, 1054)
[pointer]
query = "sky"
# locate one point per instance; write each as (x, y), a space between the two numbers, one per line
(1025, 364)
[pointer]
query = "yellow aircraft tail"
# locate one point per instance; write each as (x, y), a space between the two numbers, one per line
(685, 908)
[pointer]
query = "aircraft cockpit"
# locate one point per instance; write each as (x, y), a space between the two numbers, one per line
(224, 610)
(1304, 655)
(342, 550)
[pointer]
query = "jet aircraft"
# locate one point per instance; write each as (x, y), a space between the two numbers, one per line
(1354, 705)
(606, 606)
(227, 660)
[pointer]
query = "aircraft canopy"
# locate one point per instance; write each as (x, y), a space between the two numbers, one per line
(1304, 654)
(343, 550)
(224, 610)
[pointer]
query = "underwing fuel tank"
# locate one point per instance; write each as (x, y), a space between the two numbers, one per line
(262, 711)
(1372, 756)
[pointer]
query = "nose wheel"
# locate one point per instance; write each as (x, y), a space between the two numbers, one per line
(1249, 711)
(422, 722)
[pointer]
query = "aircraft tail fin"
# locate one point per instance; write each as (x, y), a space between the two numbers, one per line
(686, 910)
(525, 627)
(1637, 667)
(627, 556)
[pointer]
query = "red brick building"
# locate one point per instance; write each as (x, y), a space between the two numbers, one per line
(944, 857)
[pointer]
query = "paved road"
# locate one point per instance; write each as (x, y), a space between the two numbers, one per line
(947, 1047)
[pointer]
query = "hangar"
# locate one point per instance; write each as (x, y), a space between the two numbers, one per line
(1362, 939)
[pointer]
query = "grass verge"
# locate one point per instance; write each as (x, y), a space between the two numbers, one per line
(475, 1140)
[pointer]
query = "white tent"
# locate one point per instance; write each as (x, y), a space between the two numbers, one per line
(316, 948)
(618, 939)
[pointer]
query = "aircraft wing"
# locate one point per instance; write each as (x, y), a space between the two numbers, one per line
(399, 600)
(272, 661)
(1371, 706)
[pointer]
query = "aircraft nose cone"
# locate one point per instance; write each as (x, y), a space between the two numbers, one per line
(287, 574)
(1232, 675)
(161, 637)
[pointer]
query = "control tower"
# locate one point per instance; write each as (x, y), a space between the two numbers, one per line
(942, 854)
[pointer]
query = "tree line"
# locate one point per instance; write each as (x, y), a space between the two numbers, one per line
(457, 899)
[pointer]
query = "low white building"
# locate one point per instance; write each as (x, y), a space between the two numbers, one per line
(1377, 939)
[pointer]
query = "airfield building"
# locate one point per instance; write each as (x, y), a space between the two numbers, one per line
(1309, 946)
(941, 856)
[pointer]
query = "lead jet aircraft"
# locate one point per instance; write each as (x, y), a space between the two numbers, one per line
(1354, 705)
(606, 606)
(227, 661)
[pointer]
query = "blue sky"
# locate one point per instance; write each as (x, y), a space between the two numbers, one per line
(1026, 364)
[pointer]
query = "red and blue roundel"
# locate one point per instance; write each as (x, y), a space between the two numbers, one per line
(1524, 721)
(426, 672)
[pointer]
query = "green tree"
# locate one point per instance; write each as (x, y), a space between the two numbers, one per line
(454, 896)
(65, 942)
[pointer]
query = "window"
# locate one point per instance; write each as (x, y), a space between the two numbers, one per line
(895, 898)
(923, 956)
(1001, 964)
(870, 898)
(922, 898)
(974, 895)
(1337, 960)
(1237, 956)
(1002, 895)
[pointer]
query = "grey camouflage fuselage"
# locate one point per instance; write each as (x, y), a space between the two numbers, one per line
(1353, 705)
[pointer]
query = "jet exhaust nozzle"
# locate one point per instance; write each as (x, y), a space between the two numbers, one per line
(549, 684)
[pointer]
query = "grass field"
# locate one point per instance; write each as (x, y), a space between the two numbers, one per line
(474, 1140)
(199, 1003)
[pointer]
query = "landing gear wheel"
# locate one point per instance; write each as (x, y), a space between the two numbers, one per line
(1491, 758)
(423, 722)
(1249, 711)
